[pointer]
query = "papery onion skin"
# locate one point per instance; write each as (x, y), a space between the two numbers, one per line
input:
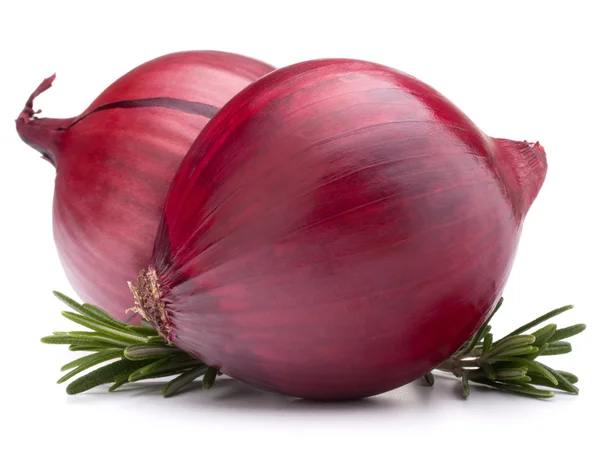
(338, 230)
(115, 161)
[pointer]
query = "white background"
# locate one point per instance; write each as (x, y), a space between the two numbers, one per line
(521, 70)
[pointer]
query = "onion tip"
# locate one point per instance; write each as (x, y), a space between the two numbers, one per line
(28, 112)
(527, 166)
(42, 134)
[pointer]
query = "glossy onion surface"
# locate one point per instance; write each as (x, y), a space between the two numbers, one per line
(114, 163)
(338, 230)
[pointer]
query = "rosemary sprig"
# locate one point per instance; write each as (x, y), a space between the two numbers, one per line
(137, 352)
(141, 353)
(511, 363)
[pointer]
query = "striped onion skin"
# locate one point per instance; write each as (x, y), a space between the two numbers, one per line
(336, 231)
(115, 160)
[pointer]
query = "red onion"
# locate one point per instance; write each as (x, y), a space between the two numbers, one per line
(336, 231)
(115, 160)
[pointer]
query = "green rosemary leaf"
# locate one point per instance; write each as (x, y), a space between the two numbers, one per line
(569, 376)
(523, 350)
(171, 369)
(100, 315)
(562, 380)
(524, 378)
(93, 361)
(541, 349)
(209, 377)
(512, 374)
(157, 368)
(503, 365)
(70, 340)
(99, 326)
(487, 343)
(119, 382)
(544, 334)
(465, 384)
(183, 380)
(567, 332)
(558, 347)
(537, 321)
(156, 339)
(90, 348)
(96, 337)
(175, 371)
(520, 388)
(103, 375)
(148, 368)
(143, 330)
(90, 311)
(70, 302)
(150, 351)
(95, 313)
(515, 341)
(543, 382)
(486, 330)
(87, 358)
(532, 365)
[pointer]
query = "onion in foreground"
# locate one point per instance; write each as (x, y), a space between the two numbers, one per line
(337, 230)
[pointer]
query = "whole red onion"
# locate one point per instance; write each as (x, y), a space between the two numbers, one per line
(114, 162)
(336, 231)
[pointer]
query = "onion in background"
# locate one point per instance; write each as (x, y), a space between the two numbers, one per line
(115, 160)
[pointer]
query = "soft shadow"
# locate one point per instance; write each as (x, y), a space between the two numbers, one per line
(230, 395)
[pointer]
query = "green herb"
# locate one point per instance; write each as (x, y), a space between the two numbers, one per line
(141, 353)
(511, 363)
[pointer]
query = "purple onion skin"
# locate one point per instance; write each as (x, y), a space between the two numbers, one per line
(339, 229)
(114, 163)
